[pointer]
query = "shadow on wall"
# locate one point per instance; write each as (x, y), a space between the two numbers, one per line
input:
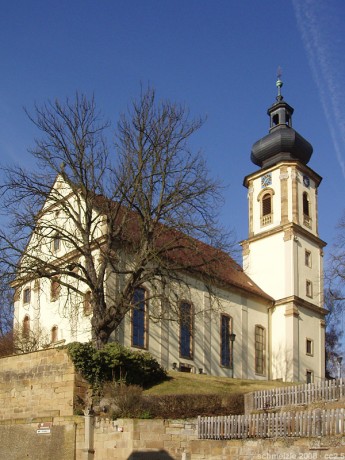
(153, 455)
(282, 364)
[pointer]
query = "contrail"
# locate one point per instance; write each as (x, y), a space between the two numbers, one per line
(322, 34)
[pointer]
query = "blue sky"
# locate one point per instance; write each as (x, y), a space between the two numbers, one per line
(219, 57)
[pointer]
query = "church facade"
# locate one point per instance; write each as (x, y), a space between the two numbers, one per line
(269, 320)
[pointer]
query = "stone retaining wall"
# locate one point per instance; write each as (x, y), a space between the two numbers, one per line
(43, 383)
(177, 440)
(143, 439)
(37, 395)
(44, 438)
(125, 439)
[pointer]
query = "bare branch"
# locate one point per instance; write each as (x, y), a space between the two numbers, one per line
(92, 220)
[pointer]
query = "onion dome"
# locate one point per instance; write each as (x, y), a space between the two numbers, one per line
(283, 142)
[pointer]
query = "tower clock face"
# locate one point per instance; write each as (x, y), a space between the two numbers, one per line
(306, 181)
(266, 180)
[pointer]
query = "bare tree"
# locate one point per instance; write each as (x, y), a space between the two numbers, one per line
(6, 316)
(335, 301)
(334, 332)
(152, 200)
(6, 305)
(29, 341)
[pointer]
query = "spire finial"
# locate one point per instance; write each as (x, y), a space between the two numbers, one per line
(279, 84)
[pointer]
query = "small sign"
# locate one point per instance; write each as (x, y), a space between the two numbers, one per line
(44, 428)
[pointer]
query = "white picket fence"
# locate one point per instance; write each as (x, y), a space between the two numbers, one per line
(328, 390)
(269, 425)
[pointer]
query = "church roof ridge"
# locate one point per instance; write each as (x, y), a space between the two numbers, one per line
(191, 254)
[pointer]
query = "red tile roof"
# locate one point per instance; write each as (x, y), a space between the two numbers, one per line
(189, 254)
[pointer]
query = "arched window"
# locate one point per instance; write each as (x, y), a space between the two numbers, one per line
(260, 349)
(225, 342)
(266, 199)
(26, 325)
(186, 330)
(306, 210)
(54, 334)
(139, 319)
(266, 204)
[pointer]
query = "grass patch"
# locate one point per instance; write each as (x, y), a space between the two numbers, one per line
(180, 383)
(182, 396)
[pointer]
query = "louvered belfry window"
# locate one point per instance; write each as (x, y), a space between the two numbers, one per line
(266, 205)
(266, 209)
(306, 210)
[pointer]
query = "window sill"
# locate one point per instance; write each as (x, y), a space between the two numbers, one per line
(139, 347)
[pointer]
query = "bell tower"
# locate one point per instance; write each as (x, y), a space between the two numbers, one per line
(283, 253)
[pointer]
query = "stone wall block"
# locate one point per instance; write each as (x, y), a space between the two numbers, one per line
(39, 382)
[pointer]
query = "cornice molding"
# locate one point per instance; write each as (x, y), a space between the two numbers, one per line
(296, 302)
(301, 167)
(292, 229)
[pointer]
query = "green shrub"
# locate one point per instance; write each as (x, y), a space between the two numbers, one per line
(192, 405)
(125, 400)
(115, 363)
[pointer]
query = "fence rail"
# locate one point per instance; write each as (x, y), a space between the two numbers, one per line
(269, 425)
(328, 390)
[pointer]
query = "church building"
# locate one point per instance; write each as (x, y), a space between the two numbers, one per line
(269, 322)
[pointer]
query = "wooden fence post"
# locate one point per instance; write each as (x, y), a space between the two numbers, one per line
(249, 403)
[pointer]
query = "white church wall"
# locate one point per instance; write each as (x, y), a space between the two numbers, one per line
(280, 356)
(163, 340)
(309, 271)
(265, 264)
(310, 329)
(258, 316)
(66, 313)
(291, 328)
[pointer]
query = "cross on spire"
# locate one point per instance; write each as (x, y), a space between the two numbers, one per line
(279, 84)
